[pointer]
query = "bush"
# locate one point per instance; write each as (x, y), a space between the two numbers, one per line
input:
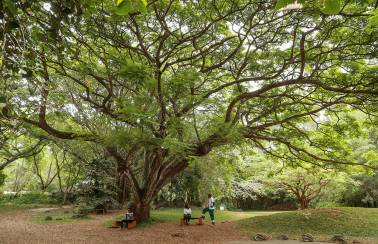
(59, 196)
(97, 191)
(82, 210)
(363, 192)
(29, 198)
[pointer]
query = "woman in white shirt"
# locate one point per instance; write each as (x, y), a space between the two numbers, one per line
(187, 213)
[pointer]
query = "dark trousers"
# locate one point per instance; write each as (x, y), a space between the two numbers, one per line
(187, 218)
(211, 212)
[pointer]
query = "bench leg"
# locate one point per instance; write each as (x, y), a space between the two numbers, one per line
(181, 221)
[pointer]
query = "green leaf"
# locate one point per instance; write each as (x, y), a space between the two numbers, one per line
(283, 3)
(11, 7)
(143, 6)
(331, 6)
(125, 7)
(373, 21)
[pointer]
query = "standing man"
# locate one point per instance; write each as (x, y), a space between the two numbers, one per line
(210, 208)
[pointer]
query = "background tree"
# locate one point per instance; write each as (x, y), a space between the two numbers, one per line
(69, 172)
(157, 87)
(304, 185)
(47, 177)
(97, 190)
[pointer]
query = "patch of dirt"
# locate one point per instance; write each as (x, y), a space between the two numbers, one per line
(16, 227)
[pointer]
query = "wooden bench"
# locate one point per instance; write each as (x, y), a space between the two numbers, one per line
(118, 224)
(199, 222)
(99, 211)
(132, 225)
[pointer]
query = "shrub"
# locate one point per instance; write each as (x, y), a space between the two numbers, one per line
(97, 191)
(29, 198)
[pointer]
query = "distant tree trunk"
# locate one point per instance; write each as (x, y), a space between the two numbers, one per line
(44, 184)
(123, 193)
(304, 202)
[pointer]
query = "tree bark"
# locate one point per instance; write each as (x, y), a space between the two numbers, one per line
(160, 168)
(304, 202)
(122, 189)
(142, 211)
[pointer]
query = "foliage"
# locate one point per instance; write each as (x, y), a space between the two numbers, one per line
(326, 6)
(332, 195)
(29, 198)
(124, 7)
(361, 192)
(184, 188)
(305, 184)
(153, 91)
(20, 177)
(97, 191)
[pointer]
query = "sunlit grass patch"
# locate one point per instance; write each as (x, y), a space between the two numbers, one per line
(354, 223)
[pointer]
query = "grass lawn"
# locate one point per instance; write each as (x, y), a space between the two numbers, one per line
(63, 216)
(174, 215)
(354, 223)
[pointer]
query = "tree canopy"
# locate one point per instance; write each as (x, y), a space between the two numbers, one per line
(156, 83)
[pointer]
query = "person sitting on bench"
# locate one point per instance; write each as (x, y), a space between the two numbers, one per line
(129, 218)
(187, 213)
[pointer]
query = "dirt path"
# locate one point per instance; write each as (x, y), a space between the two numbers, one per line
(16, 227)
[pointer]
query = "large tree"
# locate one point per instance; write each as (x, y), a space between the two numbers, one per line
(157, 87)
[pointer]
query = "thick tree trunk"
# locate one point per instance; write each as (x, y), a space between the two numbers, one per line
(304, 202)
(142, 211)
(159, 169)
(64, 198)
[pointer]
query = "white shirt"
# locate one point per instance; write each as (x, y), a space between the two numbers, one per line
(187, 211)
(211, 203)
(130, 216)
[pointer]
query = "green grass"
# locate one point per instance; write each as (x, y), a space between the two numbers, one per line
(174, 214)
(10, 206)
(64, 215)
(354, 223)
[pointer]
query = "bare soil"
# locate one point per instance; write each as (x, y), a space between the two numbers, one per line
(16, 227)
